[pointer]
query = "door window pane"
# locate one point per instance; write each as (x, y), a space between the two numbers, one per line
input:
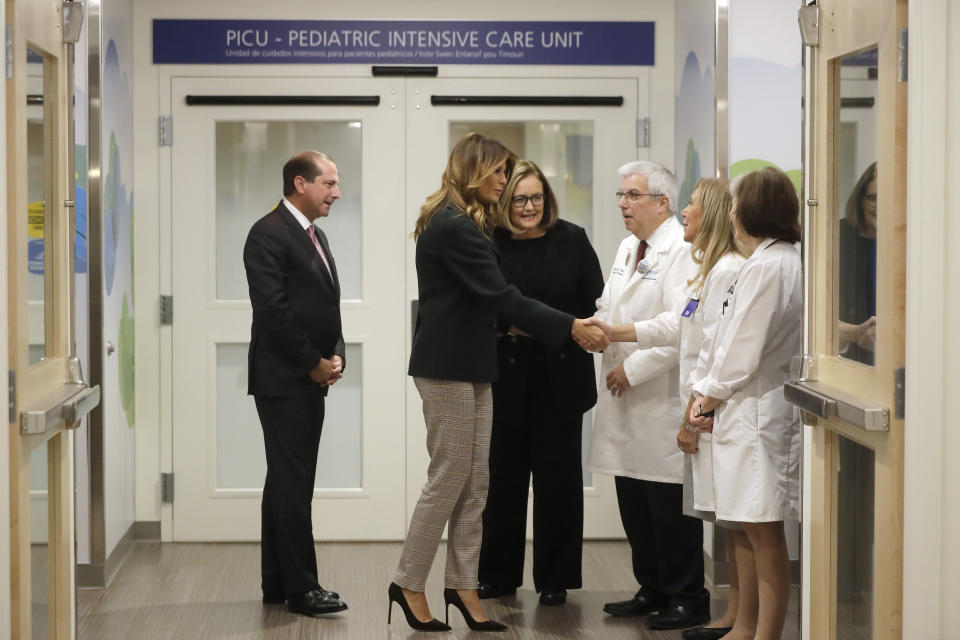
(249, 163)
(855, 527)
(40, 556)
(241, 463)
(562, 150)
(856, 207)
(37, 195)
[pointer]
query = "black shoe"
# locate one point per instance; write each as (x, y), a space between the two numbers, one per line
(315, 603)
(395, 594)
(678, 616)
(639, 605)
(279, 598)
(486, 591)
(451, 597)
(553, 597)
(705, 633)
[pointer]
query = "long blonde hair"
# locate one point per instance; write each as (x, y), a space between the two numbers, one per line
(474, 158)
(715, 238)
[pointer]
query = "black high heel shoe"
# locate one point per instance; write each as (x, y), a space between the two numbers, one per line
(451, 597)
(395, 594)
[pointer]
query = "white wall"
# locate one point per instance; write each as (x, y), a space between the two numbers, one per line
(4, 441)
(931, 562)
(152, 240)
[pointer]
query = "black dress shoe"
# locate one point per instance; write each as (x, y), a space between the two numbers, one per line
(486, 591)
(639, 605)
(705, 633)
(678, 616)
(315, 603)
(553, 597)
(279, 598)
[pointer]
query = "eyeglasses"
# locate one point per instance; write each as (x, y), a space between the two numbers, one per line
(521, 201)
(870, 197)
(633, 196)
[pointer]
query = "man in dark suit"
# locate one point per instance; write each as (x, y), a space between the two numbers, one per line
(296, 354)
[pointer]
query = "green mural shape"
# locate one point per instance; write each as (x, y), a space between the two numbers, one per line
(752, 164)
(125, 362)
(691, 174)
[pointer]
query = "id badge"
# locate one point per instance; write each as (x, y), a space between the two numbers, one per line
(692, 305)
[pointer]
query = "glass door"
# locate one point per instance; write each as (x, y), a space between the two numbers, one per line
(579, 132)
(232, 138)
(50, 396)
(847, 385)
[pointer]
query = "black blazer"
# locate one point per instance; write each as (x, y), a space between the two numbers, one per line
(462, 292)
(296, 306)
(856, 289)
(574, 282)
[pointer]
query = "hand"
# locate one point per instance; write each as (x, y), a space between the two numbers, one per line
(617, 381)
(589, 338)
(703, 423)
(517, 332)
(867, 333)
(688, 441)
(327, 371)
(594, 321)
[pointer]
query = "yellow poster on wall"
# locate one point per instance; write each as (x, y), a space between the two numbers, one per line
(35, 219)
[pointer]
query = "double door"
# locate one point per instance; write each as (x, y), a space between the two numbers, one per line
(390, 138)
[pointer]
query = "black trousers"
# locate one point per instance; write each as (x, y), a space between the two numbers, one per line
(291, 439)
(667, 546)
(522, 443)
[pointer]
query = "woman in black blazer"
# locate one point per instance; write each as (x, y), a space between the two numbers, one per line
(539, 399)
(453, 361)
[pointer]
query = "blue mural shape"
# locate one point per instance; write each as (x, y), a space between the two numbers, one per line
(80, 237)
(35, 256)
(117, 202)
(695, 125)
(401, 42)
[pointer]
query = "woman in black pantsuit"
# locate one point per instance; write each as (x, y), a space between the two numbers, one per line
(539, 399)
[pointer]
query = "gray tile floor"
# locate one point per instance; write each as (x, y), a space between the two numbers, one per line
(211, 591)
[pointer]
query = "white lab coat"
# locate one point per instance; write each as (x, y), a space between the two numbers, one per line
(634, 435)
(694, 335)
(756, 433)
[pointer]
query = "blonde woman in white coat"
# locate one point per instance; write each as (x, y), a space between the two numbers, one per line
(636, 414)
(692, 326)
(756, 434)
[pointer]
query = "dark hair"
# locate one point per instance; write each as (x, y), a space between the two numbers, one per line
(854, 210)
(305, 164)
(767, 206)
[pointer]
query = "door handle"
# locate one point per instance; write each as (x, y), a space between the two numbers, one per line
(69, 404)
(826, 402)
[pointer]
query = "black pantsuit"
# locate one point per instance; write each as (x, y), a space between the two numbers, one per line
(539, 399)
(667, 546)
(291, 438)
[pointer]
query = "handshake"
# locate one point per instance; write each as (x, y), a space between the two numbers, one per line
(591, 334)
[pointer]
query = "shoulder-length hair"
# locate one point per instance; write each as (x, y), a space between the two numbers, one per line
(474, 158)
(524, 169)
(716, 237)
(854, 211)
(767, 206)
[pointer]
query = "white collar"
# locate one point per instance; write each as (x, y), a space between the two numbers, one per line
(302, 219)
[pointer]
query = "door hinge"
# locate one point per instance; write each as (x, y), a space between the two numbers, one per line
(809, 19)
(8, 41)
(643, 131)
(166, 487)
(902, 54)
(899, 393)
(166, 131)
(166, 309)
(12, 394)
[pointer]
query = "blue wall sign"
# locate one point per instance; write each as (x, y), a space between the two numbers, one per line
(401, 42)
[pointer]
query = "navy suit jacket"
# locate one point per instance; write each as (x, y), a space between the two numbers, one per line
(296, 306)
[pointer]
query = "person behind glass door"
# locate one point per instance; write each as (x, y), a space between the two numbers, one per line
(636, 417)
(756, 432)
(858, 270)
(296, 355)
(692, 328)
(453, 360)
(539, 399)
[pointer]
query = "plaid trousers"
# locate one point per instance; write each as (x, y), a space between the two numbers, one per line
(459, 417)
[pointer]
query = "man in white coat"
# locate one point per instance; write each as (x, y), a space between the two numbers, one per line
(635, 427)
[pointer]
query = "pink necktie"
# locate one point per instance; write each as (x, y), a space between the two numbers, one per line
(313, 236)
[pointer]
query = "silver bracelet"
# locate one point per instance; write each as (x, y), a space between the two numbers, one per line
(689, 427)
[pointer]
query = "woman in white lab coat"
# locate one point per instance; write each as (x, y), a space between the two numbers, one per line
(756, 433)
(691, 327)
